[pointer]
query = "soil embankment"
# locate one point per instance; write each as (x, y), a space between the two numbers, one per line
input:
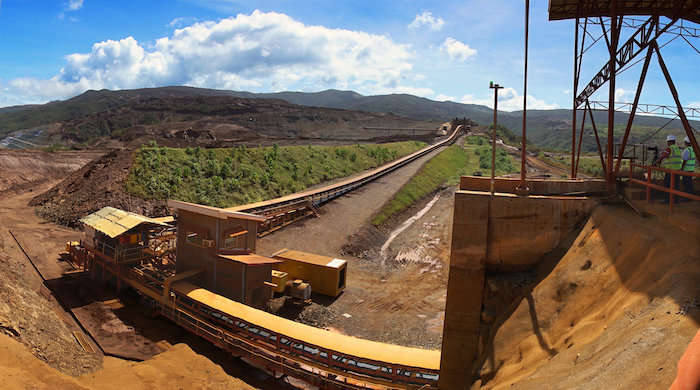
(25, 170)
(97, 184)
(178, 368)
(617, 311)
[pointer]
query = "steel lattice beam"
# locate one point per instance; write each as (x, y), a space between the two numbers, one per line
(638, 42)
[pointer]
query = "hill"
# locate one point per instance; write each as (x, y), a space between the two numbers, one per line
(546, 128)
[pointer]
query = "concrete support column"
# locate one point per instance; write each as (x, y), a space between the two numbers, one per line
(464, 290)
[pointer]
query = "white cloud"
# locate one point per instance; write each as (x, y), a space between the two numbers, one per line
(445, 98)
(457, 50)
(427, 19)
(265, 51)
(74, 5)
(181, 21)
(510, 100)
(567, 91)
(623, 95)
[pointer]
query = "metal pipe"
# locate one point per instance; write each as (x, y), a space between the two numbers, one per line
(523, 175)
(640, 85)
(573, 121)
(495, 87)
(614, 35)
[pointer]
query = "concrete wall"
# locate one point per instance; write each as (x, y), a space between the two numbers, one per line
(501, 232)
(537, 186)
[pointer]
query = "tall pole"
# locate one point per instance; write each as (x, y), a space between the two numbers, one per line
(614, 37)
(522, 184)
(495, 88)
(573, 111)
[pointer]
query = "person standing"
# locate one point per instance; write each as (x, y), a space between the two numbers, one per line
(670, 159)
(688, 165)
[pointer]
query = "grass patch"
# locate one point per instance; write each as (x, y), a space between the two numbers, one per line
(443, 169)
(588, 165)
(234, 176)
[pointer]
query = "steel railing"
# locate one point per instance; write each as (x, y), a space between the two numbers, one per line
(672, 191)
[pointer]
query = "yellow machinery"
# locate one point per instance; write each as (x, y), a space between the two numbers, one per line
(280, 279)
(326, 275)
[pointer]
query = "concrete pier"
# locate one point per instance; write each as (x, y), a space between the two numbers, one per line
(504, 232)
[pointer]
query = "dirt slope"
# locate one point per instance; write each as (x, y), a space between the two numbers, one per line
(617, 311)
(178, 368)
(22, 170)
(98, 184)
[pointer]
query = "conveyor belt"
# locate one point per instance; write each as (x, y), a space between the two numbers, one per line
(287, 209)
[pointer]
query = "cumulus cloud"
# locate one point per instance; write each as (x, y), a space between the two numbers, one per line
(264, 51)
(445, 98)
(181, 21)
(74, 5)
(510, 100)
(457, 50)
(427, 19)
(623, 95)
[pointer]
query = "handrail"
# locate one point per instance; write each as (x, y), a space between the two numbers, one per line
(673, 192)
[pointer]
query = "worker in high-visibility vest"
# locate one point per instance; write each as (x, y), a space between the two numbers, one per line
(688, 165)
(670, 159)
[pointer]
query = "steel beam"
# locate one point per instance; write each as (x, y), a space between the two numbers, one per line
(597, 139)
(577, 68)
(640, 40)
(614, 38)
(580, 142)
(674, 92)
(640, 85)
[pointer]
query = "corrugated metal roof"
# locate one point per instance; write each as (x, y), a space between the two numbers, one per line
(251, 259)
(114, 222)
(309, 258)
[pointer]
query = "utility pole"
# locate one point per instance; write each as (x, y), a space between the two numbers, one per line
(495, 88)
(522, 188)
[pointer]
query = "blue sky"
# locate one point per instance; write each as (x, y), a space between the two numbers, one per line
(447, 50)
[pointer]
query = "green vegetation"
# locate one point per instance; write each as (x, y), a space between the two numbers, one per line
(503, 160)
(235, 176)
(588, 165)
(476, 140)
(444, 169)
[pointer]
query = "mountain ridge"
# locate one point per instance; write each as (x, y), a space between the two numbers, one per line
(546, 128)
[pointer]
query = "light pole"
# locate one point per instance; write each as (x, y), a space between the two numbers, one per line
(495, 88)
(522, 188)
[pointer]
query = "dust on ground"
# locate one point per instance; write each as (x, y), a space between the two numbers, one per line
(180, 367)
(29, 318)
(617, 311)
(46, 330)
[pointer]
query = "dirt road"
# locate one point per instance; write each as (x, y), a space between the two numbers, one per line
(410, 295)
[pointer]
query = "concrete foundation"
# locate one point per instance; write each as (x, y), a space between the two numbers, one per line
(501, 232)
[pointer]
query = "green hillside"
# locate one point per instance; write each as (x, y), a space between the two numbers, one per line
(234, 176)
